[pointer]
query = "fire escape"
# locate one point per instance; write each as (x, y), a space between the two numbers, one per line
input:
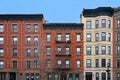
(62, 53)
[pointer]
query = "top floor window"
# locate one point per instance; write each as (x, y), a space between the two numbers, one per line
(88, 25)
(59, 37)
(103, 23)
(67, 35)
(35, 27)
(1, 28)
(96, 24)
(109, 23)
(28, 27)
(78, 37)
(14, 28)
(48, 37)
(118, 23)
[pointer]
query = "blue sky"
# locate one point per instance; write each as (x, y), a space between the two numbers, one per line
(54, 11)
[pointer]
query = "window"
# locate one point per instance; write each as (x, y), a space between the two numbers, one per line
(35, 27)
(28, 64)
(78, 37)
(109, 23)
(14, 64)
(1, 28)
(103, 63)
(88, 50)
(118, 63)
(96, 50)
(59, 37)
(48, 63)
(67, 64)
(103, 76)
(28, 38)
(118, 76)
(77, 77)
(1, 40)
(78, 49)
(35, 40)
(32, 76)
(48, 37)
(37, 76)
(67, 35)
(70, 76)
(1, 64)
(49, 76)
(97, 37)
(103, 36)
(35, 52)
(35, 64)
(48, 49)
(27, 76)
(67, 49)
(1, 52)
(28, 28)
(15, 40)
(88, 37)
(96, 24)
(109, 62)
(118, 50)
(118, 23)
(118, 36)
(78, 63)
(28, 52)
(55, 76)
(97, 76)
(88, 63)
(15, 51)
(59, 49)
(96, 62)
(109, 50)
(88, 25)
(103, 49)
(109, 36)
(103, 23)
(14, 28)
(59, 62)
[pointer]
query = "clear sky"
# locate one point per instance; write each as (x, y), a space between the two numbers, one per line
(54, 11)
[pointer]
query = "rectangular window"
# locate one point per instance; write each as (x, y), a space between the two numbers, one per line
(28, 28)
(88, 24)
(77, 76)
(88, 50)
(28, 52)
(118, 50)
(88, 63)
(96, 50)
(15, 40)
(35, 40)
(109, 62)
(59, 37)
(1, 52)
(103, 76)
(118, 36)
(67, 64)
(27, 76)
(1, 28)
(48, 63)
(103, 63)
(109, 23)
(78, 50)
(70, 76)
(35, 64)
(37, 76)
(118, 23)
(88, 37)
(96, 62)
(55, 76)
(103, 36)
(109, 50)
(28, 64)
(35, 27)
(96, 24)
(118, 63)
(14, 28)
(32, 76)
(28, 39)
(1, 40)
(59, 62)
(15, 51)
(59, 49)
(49, 76)
(103, 23)
(48, 37)
(1, 64)
(67, 50)
(109, 36)
(14, 64)
(67, 37)
(97, 37)
(97, 76)
(35, 52)
(103, 49)
(118, 76)
(78, 63)
(78, 37)
(48, 49)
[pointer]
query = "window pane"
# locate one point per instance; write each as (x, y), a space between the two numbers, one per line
(97, 37)
(1, 52)
(103, 23)
(15, 40)
(14, 28)
(97, 62)
(1, 28)
(96, 24)
(35, 28)
(1, 64)
(48, 49)
(109, 23)
(1, 40)
(67, 35)
(103, 49)
(88, 50)
(88, 25)
(88, 63)
(103, 62)
(88, 37)
(78, 50)
(103, 36)
(28, 28)
(48, 37)
(59, 37)
(118, 23)
(103, 76)
(78, 37)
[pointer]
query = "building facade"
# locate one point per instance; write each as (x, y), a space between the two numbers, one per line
(98, 43)
(116, 66)
(63, 51)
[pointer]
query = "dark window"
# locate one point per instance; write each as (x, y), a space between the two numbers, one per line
(48, 63)
(14, 64)
(35, 64)
(118, 76)
(103, 23)
(109, 36)
(70, 76)
(109, 50)
(118, 63)
(88, 25)
(118, 36)
(103, 76)
(28, 64)
(15, 51)
(55, 76)
(103, 35)
(28, 28)
(32, 76)
(96, 24)
(27, 76)
(118, 50)
(97, 37)
(118, 23)
(96, 62)
(103, 62)
(14, 28)
(109, 23)
(96, 50)
(49, 76)
(77, 76)
(97, 76)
